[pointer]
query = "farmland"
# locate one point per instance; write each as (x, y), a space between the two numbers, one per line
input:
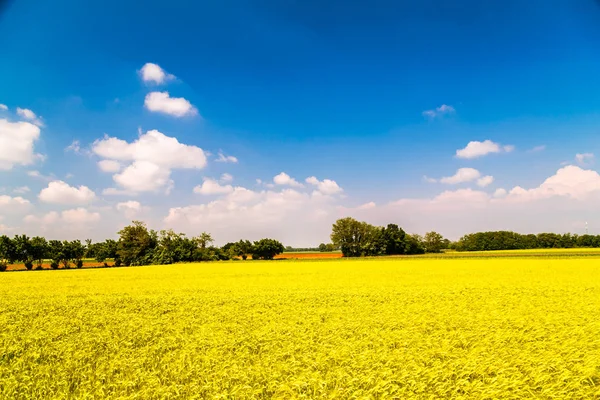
(372, 328)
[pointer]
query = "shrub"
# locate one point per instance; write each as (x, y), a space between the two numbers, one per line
(79, 263)
(29, 265)
(2, 267)
(54, 265)
(118, 262)
(39, 267)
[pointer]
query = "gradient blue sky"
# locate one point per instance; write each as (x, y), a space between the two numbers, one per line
(331, 89)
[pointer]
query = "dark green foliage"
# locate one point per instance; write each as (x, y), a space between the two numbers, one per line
(266, 249)
(238, 249)
(506, 240)
(136, 244)
(357, 239)
(329, 247)
(39, 250)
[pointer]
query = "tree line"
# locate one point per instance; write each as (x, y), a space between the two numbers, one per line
(506, 240)
(357, 239)
(137, 245)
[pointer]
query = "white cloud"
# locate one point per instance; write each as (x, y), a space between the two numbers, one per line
(75, 216)
(80, 216)
(21, 190)
(485, 181)
(500, 193)
(17, 141)
(118, 192)
(3, 107)
(13, 204)
(153, 73)
(326, 186)
(570, 181)
(211, 187)
(176, 106)
(475, 149)
(584, 158)
(462, 175)
(245, 213)
(144, 176)
(439, 111)
(109, 166)
(428, 179)
(130, 208)
(226, 177)
(59, 192)
(152, 157)
(223, 158)
(537, 149)
(29, 115)
(285, 180)
(75, 147)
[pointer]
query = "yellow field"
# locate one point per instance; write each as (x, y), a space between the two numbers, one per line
(388, 328)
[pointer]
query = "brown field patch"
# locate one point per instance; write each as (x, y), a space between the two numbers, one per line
(305, 256)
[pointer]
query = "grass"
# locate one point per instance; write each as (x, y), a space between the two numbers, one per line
(352, 329)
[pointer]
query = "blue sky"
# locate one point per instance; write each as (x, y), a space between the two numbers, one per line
(335, 90)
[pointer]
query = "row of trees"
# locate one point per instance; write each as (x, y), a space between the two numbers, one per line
(34, 251)
(355, 239)
(137, 245)
(506, 240)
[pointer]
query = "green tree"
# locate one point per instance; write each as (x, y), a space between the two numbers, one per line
(136, 244)
(7, 252)
(204, 240)
(394, 239)
(56, 253)
(39, 250)
(266, 249)
(414, 244)
(433, 242)
(22, 246)
(76, 252)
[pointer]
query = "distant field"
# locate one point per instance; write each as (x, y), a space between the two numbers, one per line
(491, 328)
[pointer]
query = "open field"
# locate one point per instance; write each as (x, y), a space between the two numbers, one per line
(376, 328)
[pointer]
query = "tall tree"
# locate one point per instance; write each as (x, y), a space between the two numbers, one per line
(204, 240)
(39, 250)
(433, 242)
(266, 249)
(136, 244)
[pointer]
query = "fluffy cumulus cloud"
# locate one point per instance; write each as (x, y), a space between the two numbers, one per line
(153, 73)
(475, 149)
(485, 181)
(29, 115)
(162, 102)
(570, 181)
(256, 214)
(109, 166)
(284, 179)
(439, 111)
(462, 175)
(75, 216)
(130, 208)
(10, 204)
(17, 140)
(60, 192)
(147, 161)
(326, 186)
(212, 187)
